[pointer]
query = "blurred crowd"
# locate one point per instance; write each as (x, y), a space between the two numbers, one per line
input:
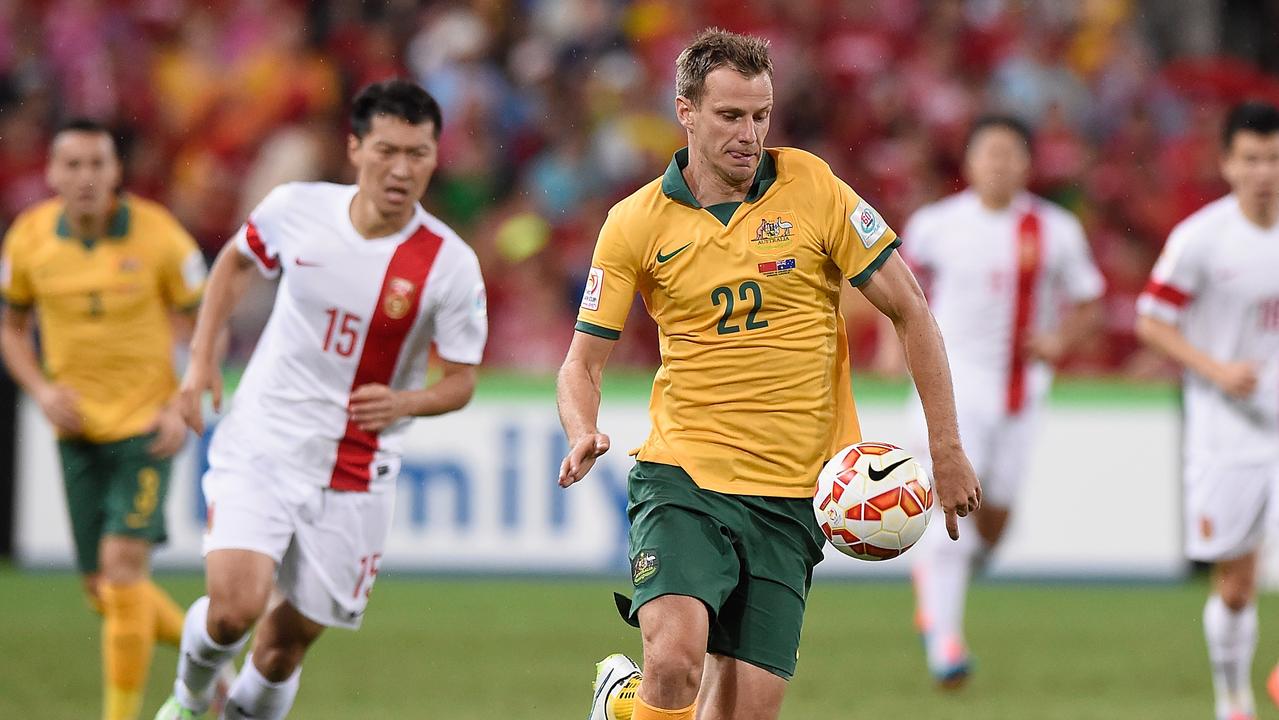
(555, 109)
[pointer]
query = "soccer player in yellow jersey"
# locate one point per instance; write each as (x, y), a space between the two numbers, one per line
(738, 252)
(103, 272)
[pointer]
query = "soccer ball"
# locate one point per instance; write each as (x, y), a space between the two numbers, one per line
(873, 501)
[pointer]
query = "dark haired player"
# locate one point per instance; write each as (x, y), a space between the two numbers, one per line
(1013, 287)
(1212, 305)
(112, 279)
(302, 471)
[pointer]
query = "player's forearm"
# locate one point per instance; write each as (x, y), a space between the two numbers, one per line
(1082, 321)
(227, 283)
(449, 393)
(1167, 339)
(925, 353)
(577, 394)
(19, 352)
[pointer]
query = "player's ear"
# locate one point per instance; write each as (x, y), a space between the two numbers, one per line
(352, 147)
(684, 112)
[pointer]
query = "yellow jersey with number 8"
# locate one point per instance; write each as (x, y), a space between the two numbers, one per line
(754, 392)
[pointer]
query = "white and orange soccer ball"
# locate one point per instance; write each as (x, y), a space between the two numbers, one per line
(873, 500)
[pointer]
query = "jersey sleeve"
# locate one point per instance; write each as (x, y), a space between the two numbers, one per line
(15, 276)
(859, 241)
(183, 271)
(1080, 280)
(610, 283)
(258, 238)
(461, 321)
(1174, 281)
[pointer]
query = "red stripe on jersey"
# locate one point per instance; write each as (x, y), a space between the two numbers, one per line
(393, 318)
(258, 247)
(1030, 261)
(1167, 293)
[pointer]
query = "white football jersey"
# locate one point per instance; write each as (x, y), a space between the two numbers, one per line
(1217, 279)
(997, 278)
(348, 311)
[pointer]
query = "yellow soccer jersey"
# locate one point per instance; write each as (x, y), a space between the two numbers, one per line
(754, 392)
(103, 306)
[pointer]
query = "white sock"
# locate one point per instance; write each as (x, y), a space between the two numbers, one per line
(941, 573)
(199, 658)
(253, 696)
(1232, 640)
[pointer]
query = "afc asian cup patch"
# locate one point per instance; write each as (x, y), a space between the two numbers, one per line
(594, 286)
(869, 225)
(643, 567)
(398, 298)
(774, 233)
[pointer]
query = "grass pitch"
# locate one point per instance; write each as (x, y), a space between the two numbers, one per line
(462, 649)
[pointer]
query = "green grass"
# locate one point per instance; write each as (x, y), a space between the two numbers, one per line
(480, 649)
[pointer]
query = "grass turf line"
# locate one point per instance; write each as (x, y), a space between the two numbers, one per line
(478, 649)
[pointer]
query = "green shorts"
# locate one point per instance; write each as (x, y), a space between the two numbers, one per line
(114, 488)
(749, 558)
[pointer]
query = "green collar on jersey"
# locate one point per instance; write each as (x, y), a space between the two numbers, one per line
(117, 228)
(675, 188)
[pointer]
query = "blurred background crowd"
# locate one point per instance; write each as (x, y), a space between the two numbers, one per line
(555, 109)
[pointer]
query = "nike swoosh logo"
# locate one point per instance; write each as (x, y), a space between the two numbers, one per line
(302, 263)
(877, 475)
(663, 258)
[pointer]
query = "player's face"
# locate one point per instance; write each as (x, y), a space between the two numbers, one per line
(997, 164)
(84, 171)
(728, 125)
(1251, 166)
(394, 162)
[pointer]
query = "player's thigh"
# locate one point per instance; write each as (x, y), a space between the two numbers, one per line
(328, 571)
(680, 543)
(737, 690)
(138, 484)
(1226, 507)
(86, 490)
(1011, 442)
(248, 529)
(761, 621)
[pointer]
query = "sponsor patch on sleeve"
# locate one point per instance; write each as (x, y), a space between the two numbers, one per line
(869, 225)
(481, 307)
(594, 286)
(193, 270)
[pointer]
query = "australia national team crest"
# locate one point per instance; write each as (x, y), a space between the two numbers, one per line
(643, 567)
(774, 232)
(398, 299)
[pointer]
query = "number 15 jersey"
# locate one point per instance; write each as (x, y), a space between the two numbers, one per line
(349, 311)
(754, 392)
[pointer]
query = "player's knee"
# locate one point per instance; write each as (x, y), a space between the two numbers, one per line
(1236, 595)
(228, 621)
(674, 666)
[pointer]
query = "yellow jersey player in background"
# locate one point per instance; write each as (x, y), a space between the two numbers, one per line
(110, 278)
(739, 253)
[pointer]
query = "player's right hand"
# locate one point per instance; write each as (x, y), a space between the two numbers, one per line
(958, 489)
(61, 405)
(581, 457)
(201, 377)
(1236, 379)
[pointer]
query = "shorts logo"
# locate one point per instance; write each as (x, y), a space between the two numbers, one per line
(774, 233)
(777, 267)
(398, 298)
(869, 225)
(643, 567)
(594, 287)
(1205, 527)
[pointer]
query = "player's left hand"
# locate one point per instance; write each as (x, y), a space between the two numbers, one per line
(170, 433)
(957, 486)
(375, 406)
(1047, 347)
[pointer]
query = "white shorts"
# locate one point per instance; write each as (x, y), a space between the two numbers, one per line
(1228, 508)
(997, 444)
(326, 544)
